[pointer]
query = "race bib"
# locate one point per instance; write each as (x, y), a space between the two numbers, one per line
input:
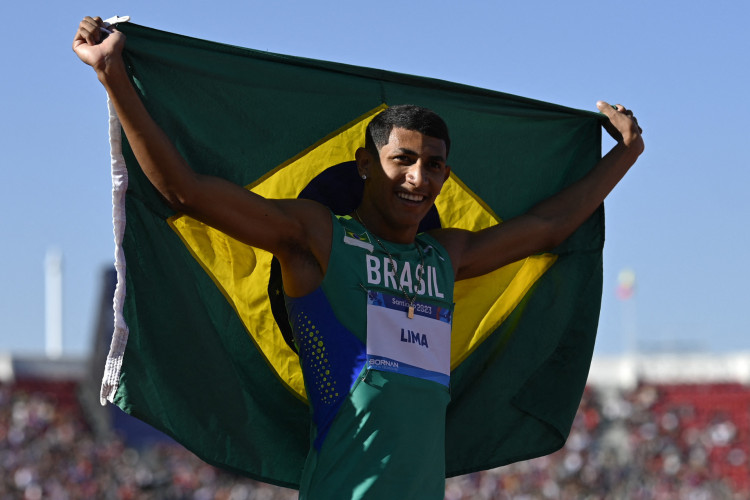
(418, 347)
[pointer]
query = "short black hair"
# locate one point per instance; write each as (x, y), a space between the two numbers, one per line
(409, 117)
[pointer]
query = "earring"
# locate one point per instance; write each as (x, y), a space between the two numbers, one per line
(364, 177)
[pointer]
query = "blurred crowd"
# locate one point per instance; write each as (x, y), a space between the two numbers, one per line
(651, 443)
(48, 452)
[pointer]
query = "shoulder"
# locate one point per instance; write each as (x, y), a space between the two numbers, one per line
(451, 241)
(312, 218)
(429, 240)
(306, 248)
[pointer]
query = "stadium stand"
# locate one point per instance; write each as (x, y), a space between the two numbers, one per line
(648, 427)
(653, 442)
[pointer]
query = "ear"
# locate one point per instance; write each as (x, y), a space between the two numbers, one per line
(364, 160)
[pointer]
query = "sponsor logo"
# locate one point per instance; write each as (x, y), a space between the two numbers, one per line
(383, 363)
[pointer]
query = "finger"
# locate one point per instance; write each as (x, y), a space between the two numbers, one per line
(607, 108)
(91, 23)
(610, 112)
(629, 114)
(604, 107)
(613, 110)
(89, 30)
(616, 114)
(80, 37)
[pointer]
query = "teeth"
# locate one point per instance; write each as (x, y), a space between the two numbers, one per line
(410, 197)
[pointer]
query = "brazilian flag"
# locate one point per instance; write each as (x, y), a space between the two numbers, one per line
(201, 348)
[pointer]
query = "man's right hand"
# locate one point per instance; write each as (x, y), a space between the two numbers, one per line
(297, 232)
(92, 48)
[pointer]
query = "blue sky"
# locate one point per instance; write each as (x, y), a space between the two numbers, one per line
(679, 219)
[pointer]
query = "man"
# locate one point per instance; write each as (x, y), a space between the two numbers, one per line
(351, 282)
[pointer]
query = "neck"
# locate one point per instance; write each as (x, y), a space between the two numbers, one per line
(377, 225)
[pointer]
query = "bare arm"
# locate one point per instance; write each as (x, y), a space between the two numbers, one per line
(278, 226)
(550, 222)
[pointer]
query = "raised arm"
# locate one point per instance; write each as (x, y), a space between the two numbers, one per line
(550, 222)
(279, 226)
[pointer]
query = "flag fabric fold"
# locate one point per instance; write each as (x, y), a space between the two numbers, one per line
(200, 350)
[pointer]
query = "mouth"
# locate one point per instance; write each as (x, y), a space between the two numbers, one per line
(410, 197)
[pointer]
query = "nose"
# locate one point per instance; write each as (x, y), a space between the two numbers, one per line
(414, 175)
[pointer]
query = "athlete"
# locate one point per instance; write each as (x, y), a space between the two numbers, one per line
(361, 447)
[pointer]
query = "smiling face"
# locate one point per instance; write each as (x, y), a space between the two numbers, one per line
(402, 183)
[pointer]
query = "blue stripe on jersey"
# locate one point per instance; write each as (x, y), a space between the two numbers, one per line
(330, 355)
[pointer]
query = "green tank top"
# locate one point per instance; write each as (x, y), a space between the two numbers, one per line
(377, 380)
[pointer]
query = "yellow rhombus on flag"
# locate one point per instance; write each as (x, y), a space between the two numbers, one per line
(242, 272)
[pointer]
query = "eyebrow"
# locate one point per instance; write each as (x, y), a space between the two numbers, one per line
(414, 153)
